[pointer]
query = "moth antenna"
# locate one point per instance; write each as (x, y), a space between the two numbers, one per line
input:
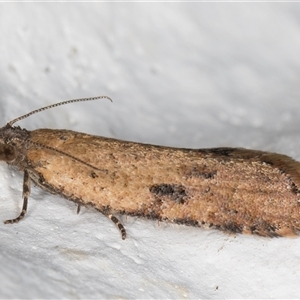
(55, 105)
(66, 154)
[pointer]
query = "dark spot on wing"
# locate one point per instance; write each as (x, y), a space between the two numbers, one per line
(200, 172)
(220, 151)
(187, 222)
(294, 188)
(93, 174)
(265, 229)
(232, 227)
(175, 192)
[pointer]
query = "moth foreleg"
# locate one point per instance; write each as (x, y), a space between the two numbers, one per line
(25, 195)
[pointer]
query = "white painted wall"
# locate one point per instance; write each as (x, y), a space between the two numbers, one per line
(180, 74)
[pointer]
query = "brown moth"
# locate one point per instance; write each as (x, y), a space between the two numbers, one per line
(231, 189)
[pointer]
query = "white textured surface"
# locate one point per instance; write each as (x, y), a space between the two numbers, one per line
(189, 75)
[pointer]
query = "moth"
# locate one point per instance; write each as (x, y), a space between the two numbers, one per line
(231, 189)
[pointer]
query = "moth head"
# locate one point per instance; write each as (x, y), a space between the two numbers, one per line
(7, 152)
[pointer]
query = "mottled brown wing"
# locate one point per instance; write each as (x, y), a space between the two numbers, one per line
(236, 190)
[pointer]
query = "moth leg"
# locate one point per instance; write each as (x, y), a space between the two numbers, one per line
(25, 195)
(119, 225)
(78, 208)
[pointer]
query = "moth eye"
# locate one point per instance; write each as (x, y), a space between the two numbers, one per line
(7, 153)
